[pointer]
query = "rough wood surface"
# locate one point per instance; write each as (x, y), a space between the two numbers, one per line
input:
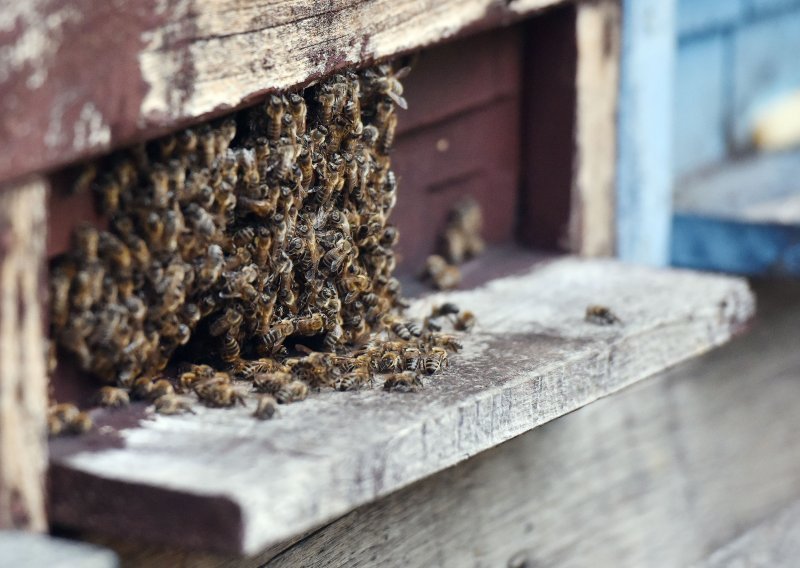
(593, 224)
(774, 543)
(221, 480)
(658, 475)
(23, 380)
(77, 77)
(39, 551)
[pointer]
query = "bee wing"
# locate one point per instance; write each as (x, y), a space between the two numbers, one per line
(399, 100)
(403, 72)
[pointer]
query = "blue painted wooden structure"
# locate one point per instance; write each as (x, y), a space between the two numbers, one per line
(694, 75)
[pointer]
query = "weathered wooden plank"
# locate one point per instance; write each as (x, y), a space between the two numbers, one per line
(23, 378)
(39, 551)
(658, 475)
(592, 224)
(78, 77)
(221, 480)
(774, 543)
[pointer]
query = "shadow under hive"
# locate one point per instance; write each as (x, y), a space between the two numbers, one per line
(229, 242)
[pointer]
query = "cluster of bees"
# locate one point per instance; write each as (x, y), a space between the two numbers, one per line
(257, 249)
(460, 241)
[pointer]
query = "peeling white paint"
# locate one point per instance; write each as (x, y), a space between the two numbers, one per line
(39, 41)
(90, 131)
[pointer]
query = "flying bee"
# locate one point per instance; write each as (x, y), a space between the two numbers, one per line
(601, 315)
(292, 392)
(402, 382)
(446, 309)
(266, 407)
(172, 404)
(230, 320)
(465, 321)
(112, 397)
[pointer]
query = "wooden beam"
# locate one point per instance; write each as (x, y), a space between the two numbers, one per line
(221, 480)
(80, 77)
(23, 379)
(657, 475)
(644, 164)
(593, 221)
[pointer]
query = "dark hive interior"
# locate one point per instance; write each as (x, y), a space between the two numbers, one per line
(253, 249)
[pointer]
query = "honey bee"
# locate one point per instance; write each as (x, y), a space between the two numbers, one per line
(391, 362)
(435, 360)
(230, 320)
(274, 110)
(266, 407)
(352, 381)
(311, 325)
(465, 321)
(292, 392)
(449, 342)
(402, 382)
(271, 382)
(230, 350)
(141, 388)
(400, 329)
(173, 404)
(601, 315)
(274, 338)
(443, 275)
(221, 395)
(67, 419)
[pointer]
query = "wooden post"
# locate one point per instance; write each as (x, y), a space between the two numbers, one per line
(592, 223)
(23, 378)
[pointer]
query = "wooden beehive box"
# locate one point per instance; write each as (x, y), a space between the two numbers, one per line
(512, 103)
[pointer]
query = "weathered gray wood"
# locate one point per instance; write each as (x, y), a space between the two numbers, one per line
(78, 77)
(23, 378)
(592, 224)
(774, 543)
(531, 359)
(660, 474)
(39, 551)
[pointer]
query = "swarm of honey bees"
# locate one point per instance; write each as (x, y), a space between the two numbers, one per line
(249, 256)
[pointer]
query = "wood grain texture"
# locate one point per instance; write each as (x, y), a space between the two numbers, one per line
(774, 543)
(659, 475)
(78, 77)
(23, 380)
(236, 485)
(593, 222)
